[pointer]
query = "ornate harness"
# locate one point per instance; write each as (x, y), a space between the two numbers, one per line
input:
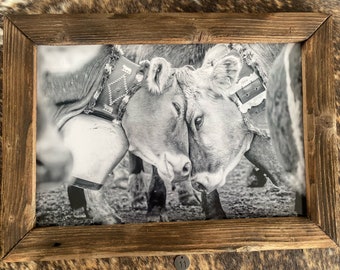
(250, 98)
(121, 80)
(250, 95)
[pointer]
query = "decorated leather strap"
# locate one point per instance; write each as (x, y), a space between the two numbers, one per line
(250, 97)
(116, 90)
(249, 92)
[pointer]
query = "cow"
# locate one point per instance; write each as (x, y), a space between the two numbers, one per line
(98, 144)
(284, 109)
(180, 55)
(221, 131)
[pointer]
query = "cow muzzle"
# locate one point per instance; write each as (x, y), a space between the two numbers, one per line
(198, 186)
(208, 182)
(177, 167)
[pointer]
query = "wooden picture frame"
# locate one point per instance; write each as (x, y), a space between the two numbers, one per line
(22, 241)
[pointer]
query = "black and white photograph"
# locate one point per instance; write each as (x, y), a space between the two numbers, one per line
(157, 133)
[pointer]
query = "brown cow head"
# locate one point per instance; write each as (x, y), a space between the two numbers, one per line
(218, 136)
(154, 122)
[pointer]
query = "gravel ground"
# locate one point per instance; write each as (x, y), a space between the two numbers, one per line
(238, 201)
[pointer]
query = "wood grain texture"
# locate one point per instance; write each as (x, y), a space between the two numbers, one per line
(17, 185)
(242, 235)
(185, 28)
(285, 259)
(320, 130)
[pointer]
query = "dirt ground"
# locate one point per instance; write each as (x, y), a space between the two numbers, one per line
(238, 201)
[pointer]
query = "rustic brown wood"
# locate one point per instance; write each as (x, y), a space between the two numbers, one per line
(320, 131)
(147, 239)
(242, 235)
(285, 259)
(17, 186)
(168, 28)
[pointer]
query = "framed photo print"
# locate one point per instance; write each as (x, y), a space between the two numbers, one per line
(167, 134)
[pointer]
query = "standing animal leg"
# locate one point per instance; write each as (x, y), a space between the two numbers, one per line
(211, 205)
(262, 155)
(99, 209)
(93, 204)
(156, 195)
(157, 198)
(77, 201)
(136, 185)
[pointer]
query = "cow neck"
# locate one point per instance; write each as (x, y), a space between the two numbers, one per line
(120, 81)
(250, 100)
(250, 93)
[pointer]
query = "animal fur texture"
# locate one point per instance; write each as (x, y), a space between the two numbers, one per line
(284, 112)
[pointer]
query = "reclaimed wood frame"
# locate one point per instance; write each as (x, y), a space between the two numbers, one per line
(22, 241)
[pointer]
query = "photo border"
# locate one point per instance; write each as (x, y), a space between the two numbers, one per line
(22, 241)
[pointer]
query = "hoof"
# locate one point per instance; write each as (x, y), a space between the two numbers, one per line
(106, 220)
(256, 179)
(220, 215)
(157, 215)
(99, 210)
(80, 213)
(139, 203)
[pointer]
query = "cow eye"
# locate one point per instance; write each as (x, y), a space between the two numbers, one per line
(177, 108)
(198, 122)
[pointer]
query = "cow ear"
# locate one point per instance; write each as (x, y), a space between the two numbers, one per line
(226, 72)
(143, 70)
(214, 54)
(158, 75)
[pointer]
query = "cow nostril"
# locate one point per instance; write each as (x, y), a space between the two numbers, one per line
(198, 186)
(186, 169)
